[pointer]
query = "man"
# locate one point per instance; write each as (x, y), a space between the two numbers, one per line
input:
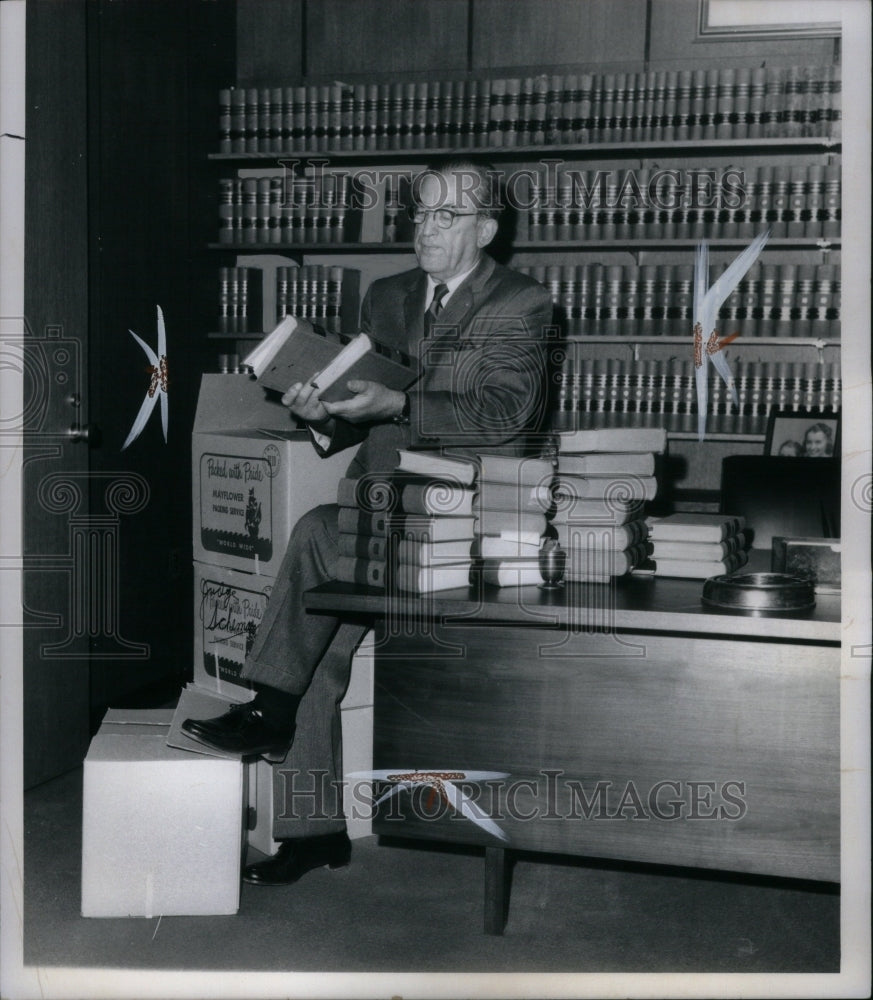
(477, 329)
(818, 442)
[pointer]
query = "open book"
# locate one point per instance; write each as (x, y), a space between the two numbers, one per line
(296, 351)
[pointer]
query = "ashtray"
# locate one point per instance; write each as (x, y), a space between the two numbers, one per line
(767, 593)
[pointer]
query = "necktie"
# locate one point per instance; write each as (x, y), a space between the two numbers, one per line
(435, 308)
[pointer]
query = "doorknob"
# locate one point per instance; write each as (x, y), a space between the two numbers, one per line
(84, 433)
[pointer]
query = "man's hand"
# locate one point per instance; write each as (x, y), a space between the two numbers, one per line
(372, 401)
(304, 403)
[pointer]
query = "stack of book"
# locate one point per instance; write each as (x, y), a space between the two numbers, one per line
(603, 481)
(433, 525)
(327, 295)
(412, 529)
(514, 496)
(697, 546)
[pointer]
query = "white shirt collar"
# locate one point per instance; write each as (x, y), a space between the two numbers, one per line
(452, 285)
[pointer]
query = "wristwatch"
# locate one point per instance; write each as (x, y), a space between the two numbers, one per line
(403, 416)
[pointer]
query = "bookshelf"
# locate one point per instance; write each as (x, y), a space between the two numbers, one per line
(779, 128)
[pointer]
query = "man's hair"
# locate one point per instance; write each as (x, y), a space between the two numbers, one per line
(477, 178)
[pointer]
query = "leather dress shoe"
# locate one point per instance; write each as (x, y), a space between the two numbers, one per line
(243, 730)
(297, 857)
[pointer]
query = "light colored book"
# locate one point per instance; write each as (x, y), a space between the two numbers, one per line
(495, 522)
(427, 579)
(699, 569)
(512, 572)
(585, 564)
(606, 488)
(433, 463)
(518, 470)
(597, 512)
(599, 536)
(706, 551)
(691, 527)
(427, 553)
(638, 463)
(500, 547)
(513, 496)
(437, 498)
(613, 439)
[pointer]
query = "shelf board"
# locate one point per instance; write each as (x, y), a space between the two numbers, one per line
(681, 243)
(630, 148)
(739, 342)
(216, 335)
(537, 246)
(720, 436)
(325, 248)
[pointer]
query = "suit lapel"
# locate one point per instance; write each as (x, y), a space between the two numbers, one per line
(413, 312)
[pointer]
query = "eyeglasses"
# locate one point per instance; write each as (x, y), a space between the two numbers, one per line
(444, 217)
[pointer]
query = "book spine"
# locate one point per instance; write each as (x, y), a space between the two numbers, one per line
(365, 572)
(361, 546)
(225, 121)
(359, 117)
(265, 118)
(224, 300)
(226, 233)
(238, 120)
(251, 119)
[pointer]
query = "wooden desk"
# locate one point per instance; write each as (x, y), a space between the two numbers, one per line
(633, 724)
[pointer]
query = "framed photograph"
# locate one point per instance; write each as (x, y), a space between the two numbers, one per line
(729, 19)
(806, 434)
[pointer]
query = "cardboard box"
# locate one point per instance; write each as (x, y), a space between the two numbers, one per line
(161, 828)
(357, 756)
(357, 725)
(228, 608)
(254, 475)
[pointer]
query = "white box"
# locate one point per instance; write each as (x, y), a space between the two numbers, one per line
(254, 476)
(357, 726)
(161, 828)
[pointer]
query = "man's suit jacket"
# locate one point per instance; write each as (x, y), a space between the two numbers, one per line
(483, 383)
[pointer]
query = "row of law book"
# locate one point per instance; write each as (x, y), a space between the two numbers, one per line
(329, 296)
(697, 546)
(643, 106)
(801, 202)
(240, 299)
(772, 300)
(284, 209)
(615, 392)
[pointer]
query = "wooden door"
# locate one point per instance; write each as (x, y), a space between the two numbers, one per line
(54, 353)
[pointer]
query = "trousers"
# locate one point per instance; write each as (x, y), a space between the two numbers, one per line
(308, 655)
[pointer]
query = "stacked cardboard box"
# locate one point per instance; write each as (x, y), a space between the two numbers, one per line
(251, 484)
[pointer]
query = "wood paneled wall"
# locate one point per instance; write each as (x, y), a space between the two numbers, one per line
(281, 41)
